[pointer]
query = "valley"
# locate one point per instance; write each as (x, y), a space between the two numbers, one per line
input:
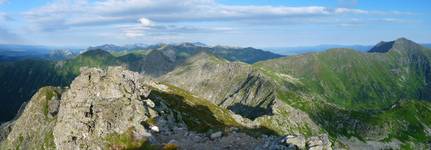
(340, 98)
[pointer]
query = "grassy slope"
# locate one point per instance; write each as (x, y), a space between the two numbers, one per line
(200, 114)
(357, 94)
(351, 79)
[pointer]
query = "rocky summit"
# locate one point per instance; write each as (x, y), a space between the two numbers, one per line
(120, 109)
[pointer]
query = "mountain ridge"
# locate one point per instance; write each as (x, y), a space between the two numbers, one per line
(97, 112)
(300, 96)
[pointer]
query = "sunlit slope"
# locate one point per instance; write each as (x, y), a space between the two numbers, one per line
(357, 80)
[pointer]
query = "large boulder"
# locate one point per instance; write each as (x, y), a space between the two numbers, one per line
(53, 107)
(294, 141)
(319, 143)
(216, 135)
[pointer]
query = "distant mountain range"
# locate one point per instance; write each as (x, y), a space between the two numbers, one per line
(14, 52)
(18, 52)
(318, 48)
(375, 98)
(22, 52)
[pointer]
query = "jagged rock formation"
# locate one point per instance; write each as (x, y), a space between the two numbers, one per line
(34, 129)
(99, 104)
(98, 107)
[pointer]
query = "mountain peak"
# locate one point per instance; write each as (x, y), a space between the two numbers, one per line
(205, 57)
(382, 47)
(400, 44)
(404, 41)
(96, 52)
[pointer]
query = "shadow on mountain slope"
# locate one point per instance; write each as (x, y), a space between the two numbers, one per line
(250, 112)
(200, 115)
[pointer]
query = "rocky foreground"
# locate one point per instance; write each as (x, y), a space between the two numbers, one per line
(120, 109)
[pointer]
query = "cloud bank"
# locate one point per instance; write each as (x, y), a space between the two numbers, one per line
(64, 14)
(152, 18)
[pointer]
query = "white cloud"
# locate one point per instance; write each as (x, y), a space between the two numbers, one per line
(348, 10)
(63, 14)
(145, 22)
(161, 18)
(133, 31)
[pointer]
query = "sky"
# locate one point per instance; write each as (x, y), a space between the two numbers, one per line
(256, 23)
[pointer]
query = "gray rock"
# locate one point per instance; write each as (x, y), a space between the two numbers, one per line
(155, 129)
(33, 127)
(53, 106)
(319, 143)
(173, 142)
(216, 135)
(5, 129)
(293, 141)
(100, 103)
(150, 103)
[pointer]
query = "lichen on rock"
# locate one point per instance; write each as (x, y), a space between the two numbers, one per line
(101, 103)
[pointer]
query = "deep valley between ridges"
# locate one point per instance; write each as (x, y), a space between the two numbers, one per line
(337, 99)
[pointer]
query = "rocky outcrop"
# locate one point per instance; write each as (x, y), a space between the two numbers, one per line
(294, 141)
(33, 129)
(100, 104)
(320, 142)
(5, 129)
(99, 109)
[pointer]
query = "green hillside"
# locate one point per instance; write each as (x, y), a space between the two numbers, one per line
(357, 80)
(371, 96)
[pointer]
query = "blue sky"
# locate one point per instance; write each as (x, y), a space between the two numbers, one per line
(258, 23)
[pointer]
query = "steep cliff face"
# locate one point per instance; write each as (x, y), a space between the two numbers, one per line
(243, 90)
(233, 85)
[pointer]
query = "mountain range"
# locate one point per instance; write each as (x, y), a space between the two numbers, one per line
(22, 78)
(340, 98)
(318, 48)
